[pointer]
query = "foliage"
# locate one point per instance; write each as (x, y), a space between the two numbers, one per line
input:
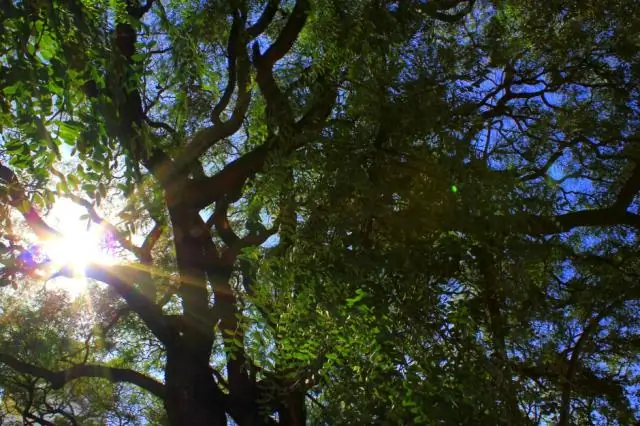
(413, 212)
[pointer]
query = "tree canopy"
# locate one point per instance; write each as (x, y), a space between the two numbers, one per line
(321, 212)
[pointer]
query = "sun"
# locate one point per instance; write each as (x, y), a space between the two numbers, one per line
(78, 247)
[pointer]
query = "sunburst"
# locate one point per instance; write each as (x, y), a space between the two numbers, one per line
(78, 246)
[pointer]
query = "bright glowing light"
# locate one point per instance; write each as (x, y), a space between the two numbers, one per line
(77, 248)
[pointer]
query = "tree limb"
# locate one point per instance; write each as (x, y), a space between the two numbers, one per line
(232, 52)
(288, 36)
(60, 378)
(265, 19)
(546, 225)
(565, 407)
(160, 125)
(629, 190)
(121, 279)
(149, 242)
(278, 108)
(16, 197)
(230, 179)
(239, 70)
(437, 10)
(544, 169)
(220, 220)
(111, 229)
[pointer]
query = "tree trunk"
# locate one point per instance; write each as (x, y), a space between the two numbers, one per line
(193, 397)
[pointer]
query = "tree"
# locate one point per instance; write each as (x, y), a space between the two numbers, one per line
(345, 213)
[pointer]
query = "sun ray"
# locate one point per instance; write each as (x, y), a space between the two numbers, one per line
(78, 246)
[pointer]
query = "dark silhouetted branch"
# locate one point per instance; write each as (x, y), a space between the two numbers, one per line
(220, 220)
(60, 378)
(265, 19)
(111, 229)
(287, 36)
(15, 196)
(121, 278)
(629, 190)
(239, 71)
(149, 242)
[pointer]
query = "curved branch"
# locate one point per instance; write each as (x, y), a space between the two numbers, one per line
(161, 125)
(230, 179)
(60, 378)
(288, 36)
(265, 19)
(587, 218)
(629, 190)
(232, 53)
(121, 279)
(111, 229)
(239, 71)
(150, 241)
(16, 197)
(220, 220)
(437, 11)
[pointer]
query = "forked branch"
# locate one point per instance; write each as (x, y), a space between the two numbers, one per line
(239, 78)
(110, 228)
(288, 36)
(119, 277)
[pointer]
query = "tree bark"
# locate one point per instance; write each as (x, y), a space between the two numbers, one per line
(192, 395)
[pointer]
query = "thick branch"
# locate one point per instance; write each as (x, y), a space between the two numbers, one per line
(546, 225)
(278, 108)
(629, 190)
(288, 36)
(565, 407)
(437, 10)
(149, 242)
(111, 229)
(232, 52)
(121, 279)
(229, 180)
(60, 378)
(15, 196)
(239, 70)
(220, 220)
(193, 247)
(265, 19)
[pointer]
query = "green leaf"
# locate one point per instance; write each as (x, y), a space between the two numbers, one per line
(47, 47)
